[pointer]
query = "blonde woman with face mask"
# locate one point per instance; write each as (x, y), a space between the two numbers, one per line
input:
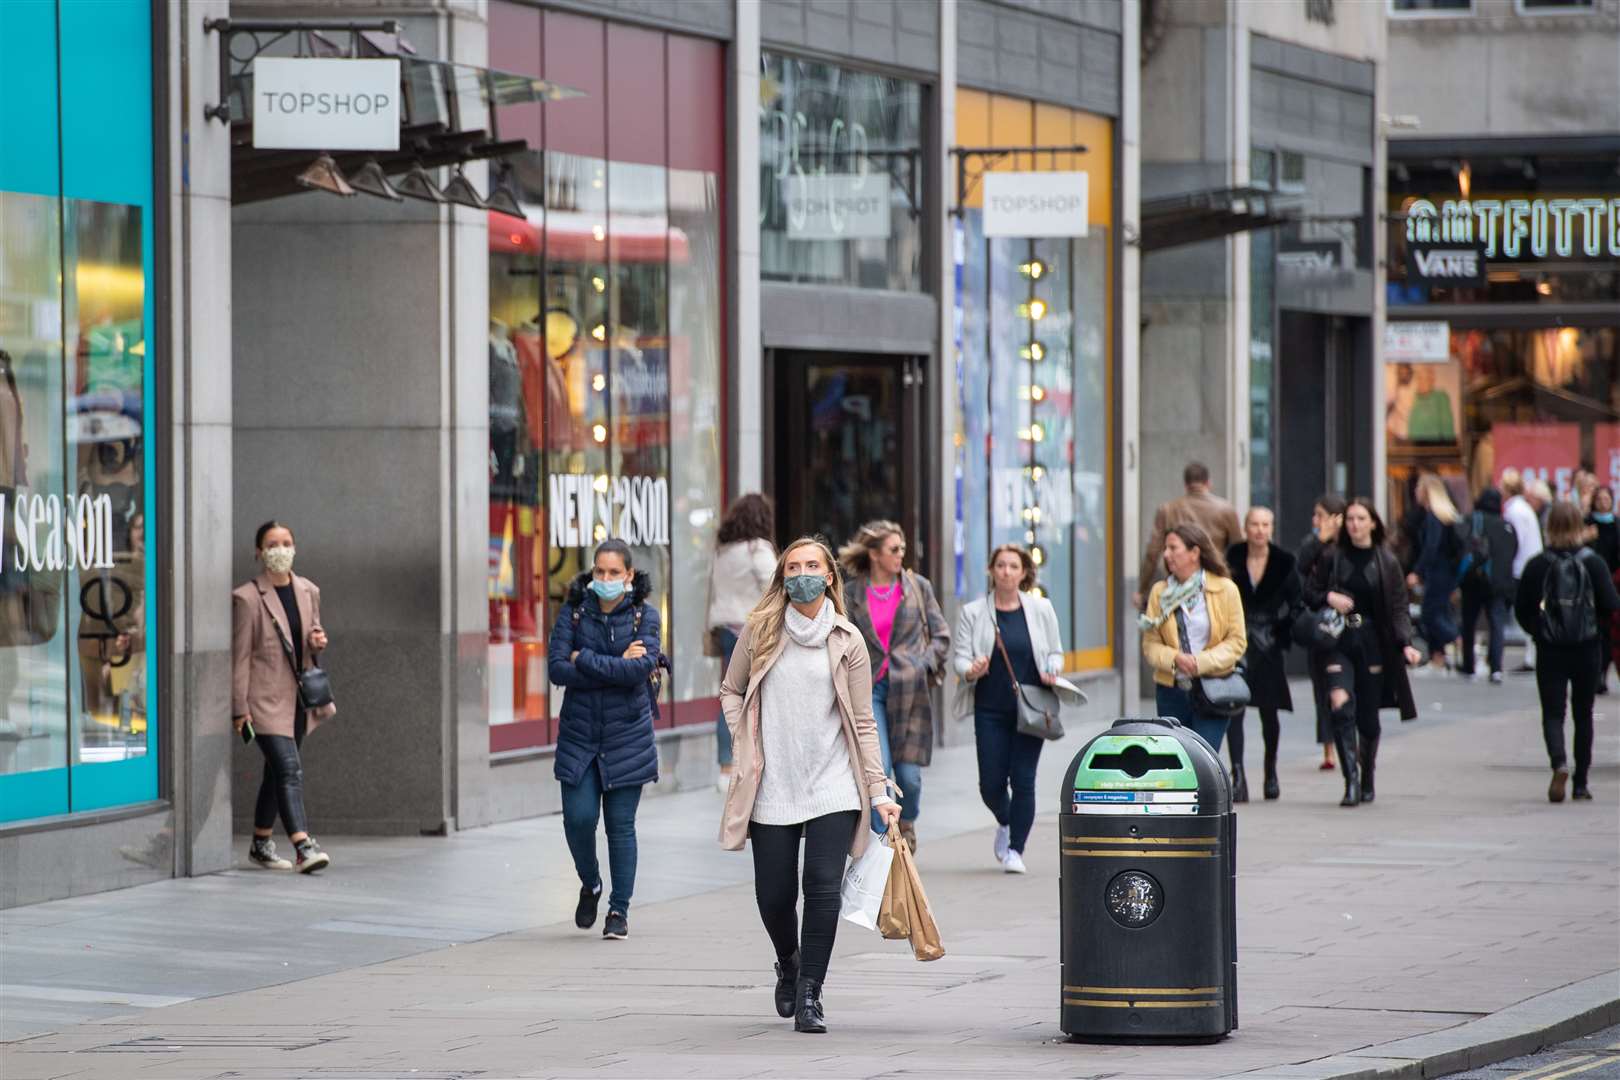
(272, 616)
(798, 700)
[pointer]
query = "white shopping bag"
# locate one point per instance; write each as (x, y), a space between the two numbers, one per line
(862, 894)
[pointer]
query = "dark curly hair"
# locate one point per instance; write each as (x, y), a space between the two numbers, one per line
(751, 517)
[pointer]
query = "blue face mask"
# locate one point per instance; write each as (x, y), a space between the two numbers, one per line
(608, 590)
(803, 588)
(1603, 519)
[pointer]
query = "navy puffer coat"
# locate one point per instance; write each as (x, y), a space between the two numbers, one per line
(607, 719)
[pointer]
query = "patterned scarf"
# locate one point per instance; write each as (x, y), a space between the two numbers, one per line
(1175, 596)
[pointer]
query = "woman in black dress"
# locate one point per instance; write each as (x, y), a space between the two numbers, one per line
(1327, 518)
(1266, 579)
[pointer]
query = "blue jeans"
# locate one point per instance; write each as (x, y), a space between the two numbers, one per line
(906, 774)
(583, 804)
(1176, 702)
(722, 734)
(1007, 758)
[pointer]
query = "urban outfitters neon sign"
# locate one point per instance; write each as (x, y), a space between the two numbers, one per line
(1536, 228)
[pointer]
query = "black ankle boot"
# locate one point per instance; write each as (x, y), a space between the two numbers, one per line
(1346, 744)
(807, 1015)
(1240, 784)
(787, 973)
(1369, 758)
(1272, 791)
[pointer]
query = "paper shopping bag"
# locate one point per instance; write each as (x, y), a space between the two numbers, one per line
(894, 917)
(924, 935)
(865, 882)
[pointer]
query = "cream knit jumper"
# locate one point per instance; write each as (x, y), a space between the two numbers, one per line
(807, 768)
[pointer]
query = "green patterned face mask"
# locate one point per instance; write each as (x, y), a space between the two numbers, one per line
(279, 560)
(803, 588)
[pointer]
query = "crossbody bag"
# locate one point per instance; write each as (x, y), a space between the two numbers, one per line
(314, 688)
(1038, 705)
(1216, 695)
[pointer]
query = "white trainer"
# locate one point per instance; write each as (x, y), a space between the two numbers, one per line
(1013, 863)
(1003, 842)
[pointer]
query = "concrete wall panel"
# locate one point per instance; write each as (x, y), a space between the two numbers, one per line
(888, 33)
(1026, 51)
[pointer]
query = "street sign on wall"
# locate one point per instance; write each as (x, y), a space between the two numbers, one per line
(1035, 204)
(306, 104)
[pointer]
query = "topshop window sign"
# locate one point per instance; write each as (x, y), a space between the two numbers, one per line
(837, 206)
(1525, 228)
(1036, 204)
(307, 104)
(587, 509)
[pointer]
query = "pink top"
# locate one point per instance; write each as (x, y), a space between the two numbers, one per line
(883, 612)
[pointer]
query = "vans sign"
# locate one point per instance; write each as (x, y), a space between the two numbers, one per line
(1457, 266)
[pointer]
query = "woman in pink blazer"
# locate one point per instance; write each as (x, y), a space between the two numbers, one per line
(272, 615)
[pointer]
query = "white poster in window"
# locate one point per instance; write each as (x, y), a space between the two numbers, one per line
(836, 206)
(1033, 204)
(305, 104)
(1417, 342)
(585, 510)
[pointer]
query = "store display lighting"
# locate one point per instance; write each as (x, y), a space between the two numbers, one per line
(599, 432)
(601, 482)
(1037, 393)
(461, 192)
(1544, 288)
(599, 533)
(323, 174)
(598, 284)
(1035, 309)
(373, 181)
(599, 332)
(599, 233)
(1036, 472)
(1036, 555)
(1033, 351)
(1029, 536)
(1034, 513)
(1032, 269)
(418, 184)
(1036, 432)
(599, 382)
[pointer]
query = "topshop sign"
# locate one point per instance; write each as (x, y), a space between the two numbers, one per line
(1036, 204)
(1527, 228)
(304, 104)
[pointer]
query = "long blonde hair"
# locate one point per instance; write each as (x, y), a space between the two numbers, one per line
(765, 621)
(1437, 498)
(857, 554)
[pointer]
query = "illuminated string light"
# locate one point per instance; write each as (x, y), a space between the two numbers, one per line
(599, 382)
(599, 432)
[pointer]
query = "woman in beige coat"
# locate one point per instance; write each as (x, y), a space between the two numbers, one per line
(272, 615)
(798, 701)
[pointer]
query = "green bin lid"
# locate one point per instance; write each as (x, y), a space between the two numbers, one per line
(1159, 762)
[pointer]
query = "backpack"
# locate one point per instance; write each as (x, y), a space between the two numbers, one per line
(661, 663)
(1475, 566)
(1568, 603)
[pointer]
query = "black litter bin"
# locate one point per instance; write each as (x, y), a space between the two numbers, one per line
(1148, 883)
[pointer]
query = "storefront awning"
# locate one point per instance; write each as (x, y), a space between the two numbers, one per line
(1207, 215)
(447, 110)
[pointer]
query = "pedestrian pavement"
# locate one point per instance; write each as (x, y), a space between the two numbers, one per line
(1372, 940)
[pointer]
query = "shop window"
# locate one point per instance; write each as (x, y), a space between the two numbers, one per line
(1430, 7)
(605, 352)
(841, 177)
(77, 689)
(1034, 379)
(1532, 7)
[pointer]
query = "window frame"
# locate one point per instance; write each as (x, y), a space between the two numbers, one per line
(1395, 12)
(1562, 7)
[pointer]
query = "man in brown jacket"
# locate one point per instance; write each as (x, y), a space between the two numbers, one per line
(1198, 506)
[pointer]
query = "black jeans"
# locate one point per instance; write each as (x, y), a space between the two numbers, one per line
(1476, 602)
(1007, 760)
(1573, 668)
(1270, 732)
(282, 788)
(1360, 673)
(776, 885)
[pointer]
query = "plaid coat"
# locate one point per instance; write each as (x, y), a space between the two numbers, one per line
(919, 646)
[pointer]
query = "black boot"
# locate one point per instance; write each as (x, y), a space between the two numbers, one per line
(787, 973)
(1369, 758)
(807, 1016)
(1272, 790)
(1240, 784)
(1345, 741)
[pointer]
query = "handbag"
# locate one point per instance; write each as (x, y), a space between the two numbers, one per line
(1217, 695)
(1038, 706)
(314, 688)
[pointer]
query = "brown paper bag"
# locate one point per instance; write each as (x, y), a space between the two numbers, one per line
(894, 917)
(924, 935)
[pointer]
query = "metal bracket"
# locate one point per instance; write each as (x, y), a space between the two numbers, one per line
(987, 157)
(312, 40)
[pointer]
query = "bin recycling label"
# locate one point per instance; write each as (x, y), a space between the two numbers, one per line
(1135, 802)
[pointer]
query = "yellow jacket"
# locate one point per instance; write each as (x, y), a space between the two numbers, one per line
(1228, 638)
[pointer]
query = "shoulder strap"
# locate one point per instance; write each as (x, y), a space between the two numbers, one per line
(286, 648)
